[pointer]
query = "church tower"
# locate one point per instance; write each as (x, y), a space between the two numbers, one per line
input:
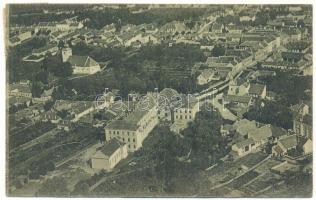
(66, 53)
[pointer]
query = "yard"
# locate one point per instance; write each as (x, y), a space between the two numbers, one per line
(269, 179)
(239, 182)
(52, 152)
(17, 138)
(226, 171)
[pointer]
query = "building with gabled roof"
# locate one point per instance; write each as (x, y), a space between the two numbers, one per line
(303, 119)
(257, 90)
(244, 147)
(207, 76)
(20, 90)
(284, 145)
(136, 126)
(80, 64)
(107, 156)
(244, 101)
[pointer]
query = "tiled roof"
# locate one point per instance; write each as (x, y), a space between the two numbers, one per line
(256, 88)
(237, 99)
(261, 133)
(82, 61)
(207, 73)
(277, 131)
(21, 88)
(111, 146)
(14, 39)
(292, 55)
(244, 143)
(122, 125)
(244, 126)
(278, 149)
(289, 142)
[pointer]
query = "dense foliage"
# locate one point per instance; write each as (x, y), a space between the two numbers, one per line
(270, 112)
(151, 67)
(123, 16)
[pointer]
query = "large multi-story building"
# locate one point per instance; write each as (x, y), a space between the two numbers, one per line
(177, 109)
(303, 120)
(134, 128)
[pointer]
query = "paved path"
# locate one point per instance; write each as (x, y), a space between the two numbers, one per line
(225, 113)
(231, 180)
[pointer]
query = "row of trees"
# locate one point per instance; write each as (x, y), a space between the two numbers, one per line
(289, 87)
(270, 112)
(149, 68)
(201, 145)
(123, 16)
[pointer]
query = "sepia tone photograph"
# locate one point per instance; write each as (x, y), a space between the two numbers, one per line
(159, 100)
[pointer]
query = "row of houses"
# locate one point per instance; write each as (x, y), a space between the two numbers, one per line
(250, 136)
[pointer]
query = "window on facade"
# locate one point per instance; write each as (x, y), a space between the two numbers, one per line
(246, 148)
(189, 111)
(180, 116)
(190, 117)
(134, 146)
(123, 139)
(129, 146)
(128, 139)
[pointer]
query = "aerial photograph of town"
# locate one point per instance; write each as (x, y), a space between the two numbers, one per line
(159, 100)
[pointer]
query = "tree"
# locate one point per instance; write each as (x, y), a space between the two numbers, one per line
(63, 114)
(204, 138)
(37, 89)
(164, 154)
(81, 188)
(48, 105)
(274, 113)
(190, 25)
(218, 50)
(42, 76)
(61, 44)
(55, 187)
(55, 65)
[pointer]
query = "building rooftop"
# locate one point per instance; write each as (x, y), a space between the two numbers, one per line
(111, 146)
(82, 61)
(256, 89)
(20, 88)
(289, 142)
(237, 99)
(244, 143)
